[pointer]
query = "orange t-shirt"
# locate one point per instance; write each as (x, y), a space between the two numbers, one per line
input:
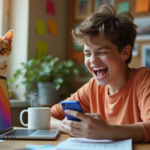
(130, 105)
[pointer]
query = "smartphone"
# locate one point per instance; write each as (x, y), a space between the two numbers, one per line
(73, 105)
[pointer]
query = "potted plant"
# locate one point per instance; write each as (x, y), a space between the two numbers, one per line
(49, 74)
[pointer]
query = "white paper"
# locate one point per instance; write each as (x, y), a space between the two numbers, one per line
(40, 147)
(2, 141)
(89, 144)
(87, 140)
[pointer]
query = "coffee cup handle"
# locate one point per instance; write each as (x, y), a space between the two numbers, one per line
(21, 116)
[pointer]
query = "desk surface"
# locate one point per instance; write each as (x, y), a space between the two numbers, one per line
(18, 144)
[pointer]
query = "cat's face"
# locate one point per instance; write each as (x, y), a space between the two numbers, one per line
(5, 44)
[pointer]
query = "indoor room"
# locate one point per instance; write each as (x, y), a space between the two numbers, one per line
(45, 64)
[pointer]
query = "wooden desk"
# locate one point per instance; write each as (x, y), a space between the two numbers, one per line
(18, 144)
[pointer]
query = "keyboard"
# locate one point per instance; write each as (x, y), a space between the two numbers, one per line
(19, 132)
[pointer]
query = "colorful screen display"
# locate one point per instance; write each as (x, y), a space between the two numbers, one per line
(5, 112)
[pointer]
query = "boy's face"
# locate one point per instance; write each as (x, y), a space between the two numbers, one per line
(103, 61)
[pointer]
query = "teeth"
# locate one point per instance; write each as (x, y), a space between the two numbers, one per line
(100, 76)
(99, 68)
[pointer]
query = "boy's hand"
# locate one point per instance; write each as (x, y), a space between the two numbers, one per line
(92, 126)
(94, 115)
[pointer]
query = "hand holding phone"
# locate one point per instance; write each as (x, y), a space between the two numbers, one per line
(72, 105)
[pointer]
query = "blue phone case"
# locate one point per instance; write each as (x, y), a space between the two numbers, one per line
(73, 105)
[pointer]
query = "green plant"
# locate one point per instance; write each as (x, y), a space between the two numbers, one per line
(46, 69)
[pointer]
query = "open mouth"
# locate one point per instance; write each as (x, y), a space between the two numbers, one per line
(100, 72)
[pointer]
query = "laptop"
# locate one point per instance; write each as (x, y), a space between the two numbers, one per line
(6, 123)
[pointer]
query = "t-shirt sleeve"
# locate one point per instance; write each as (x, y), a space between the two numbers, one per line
(82, 95)
(143, 94)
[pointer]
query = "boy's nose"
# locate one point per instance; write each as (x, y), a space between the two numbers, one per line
(94, 59)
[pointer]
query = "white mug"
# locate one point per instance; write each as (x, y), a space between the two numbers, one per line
(38, 118)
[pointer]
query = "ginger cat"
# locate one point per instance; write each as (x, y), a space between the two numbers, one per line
(5, 50)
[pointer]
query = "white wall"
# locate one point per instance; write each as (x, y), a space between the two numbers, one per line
(21, 16)
(57, 44)
(18, 21)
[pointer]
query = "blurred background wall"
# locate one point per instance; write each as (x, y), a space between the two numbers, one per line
(22, 17)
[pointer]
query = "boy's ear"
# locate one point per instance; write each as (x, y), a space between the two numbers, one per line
(126, 52)
(8, 36)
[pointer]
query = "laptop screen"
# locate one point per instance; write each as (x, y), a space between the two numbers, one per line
(5, 112)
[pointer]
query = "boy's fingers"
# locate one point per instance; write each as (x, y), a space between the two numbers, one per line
(76, 114)
(94, 115)
(70, 123)
(71, 131)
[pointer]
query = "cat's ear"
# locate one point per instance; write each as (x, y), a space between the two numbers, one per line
(8, 36)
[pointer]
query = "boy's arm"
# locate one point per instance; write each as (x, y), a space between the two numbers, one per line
(132, 131)
(100, 129)
(56, 124)
(120, 132)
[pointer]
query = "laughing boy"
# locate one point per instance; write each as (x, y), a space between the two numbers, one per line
(116, 101)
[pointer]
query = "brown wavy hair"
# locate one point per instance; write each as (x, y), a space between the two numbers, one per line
(118, 28)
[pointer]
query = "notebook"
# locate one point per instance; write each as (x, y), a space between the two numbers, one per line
(6, 123)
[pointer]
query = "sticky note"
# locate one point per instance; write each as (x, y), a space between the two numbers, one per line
(75, 46)
(53, 27)
(40, 27)
(142, 5)
(42, 48)
(78, 57)
(50, 8)
(123, 7)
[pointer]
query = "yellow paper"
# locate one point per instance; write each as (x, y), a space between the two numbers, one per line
(42, 48)
(53, 27)
(142, 6)
(40, 25)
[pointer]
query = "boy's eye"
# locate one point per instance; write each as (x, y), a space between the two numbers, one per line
(87, 54)
(102, 52)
